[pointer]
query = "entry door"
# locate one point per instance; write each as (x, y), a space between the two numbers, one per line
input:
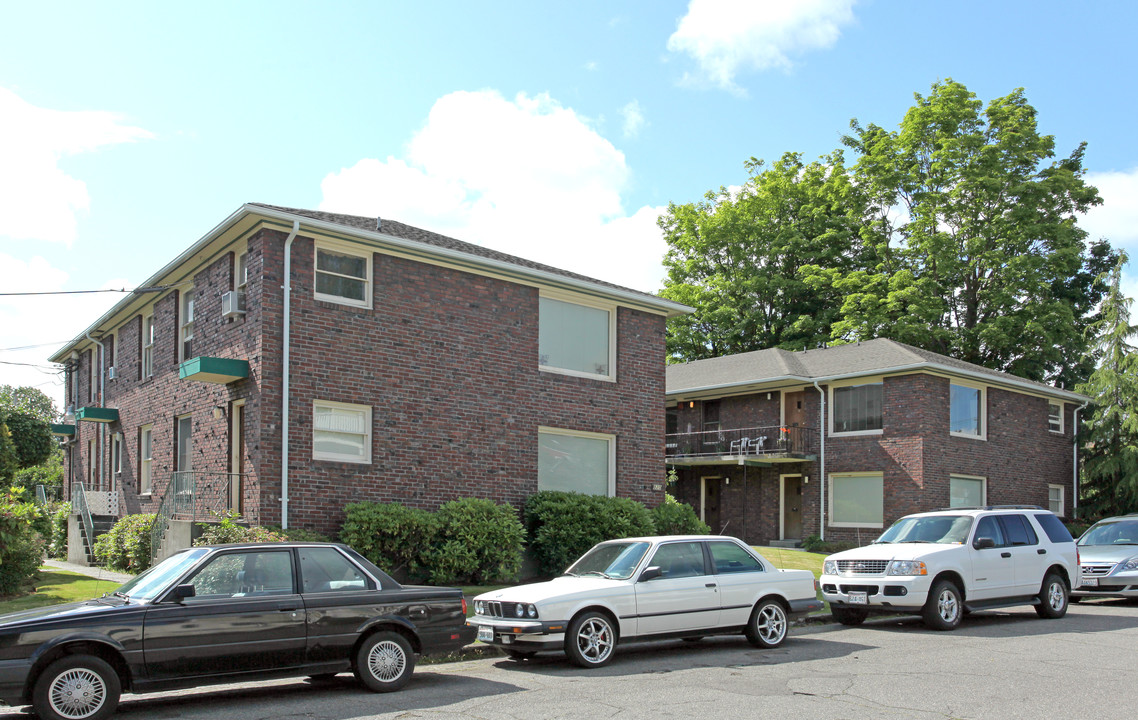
(709, 503)
(792, 507)
(237, 457)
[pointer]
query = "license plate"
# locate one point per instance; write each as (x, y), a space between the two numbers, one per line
(485, 633)
(858, 598)
(1089, 582)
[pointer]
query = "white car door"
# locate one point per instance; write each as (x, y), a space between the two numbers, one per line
(1030, 563)
(993, 570)
(740, 577)
(683, 597)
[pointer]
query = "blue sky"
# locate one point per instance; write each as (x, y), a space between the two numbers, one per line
(554, 131)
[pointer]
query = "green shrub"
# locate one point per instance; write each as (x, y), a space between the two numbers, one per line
(478, 542)
(392, 536)
(228, 531)
(673, 517)
(57, 541)
(1078, 527)
(563, 526)
(297, 534)
(126, 546)
(21, 547)
(816, 544)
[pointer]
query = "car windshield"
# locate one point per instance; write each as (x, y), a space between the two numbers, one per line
(149, 584)
(1118, 532)
(615, 560)
(944, 529)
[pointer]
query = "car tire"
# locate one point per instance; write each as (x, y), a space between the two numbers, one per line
(768, 624)
(519, 655)
(77, 687)
(849, 616)
(591, 640)
(1052, 597)
(944, 607)
(384, 662)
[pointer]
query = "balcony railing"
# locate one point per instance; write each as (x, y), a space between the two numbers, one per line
(203, 497)
(771, 442)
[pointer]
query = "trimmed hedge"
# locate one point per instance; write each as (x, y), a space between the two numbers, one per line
(563, 526)
(391, 535)
(57, 545)
(673, 517)
(477, 542)
(126, 546)
(21, 546)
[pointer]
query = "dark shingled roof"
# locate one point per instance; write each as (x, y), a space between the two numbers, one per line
(403, 231)
(867, 358)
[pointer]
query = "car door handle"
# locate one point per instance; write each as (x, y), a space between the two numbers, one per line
(287, 608)
(1042, 551)
(1005, 554)
(710, 585)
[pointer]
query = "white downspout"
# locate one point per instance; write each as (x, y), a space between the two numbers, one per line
(284, 373)
(102, 400)
(1075, 460)
(822, 455)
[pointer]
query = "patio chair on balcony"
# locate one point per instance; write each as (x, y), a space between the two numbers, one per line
(739, 447)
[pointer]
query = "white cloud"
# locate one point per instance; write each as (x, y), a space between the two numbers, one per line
(726, 37)
(633, 119)
(525, 176)
(1117, 219)
(38, 200)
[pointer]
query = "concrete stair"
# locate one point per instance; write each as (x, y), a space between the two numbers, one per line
(101, 524)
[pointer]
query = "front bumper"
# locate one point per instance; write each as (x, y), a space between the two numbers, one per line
(881, 593)
(529, 635)
(1119, 585)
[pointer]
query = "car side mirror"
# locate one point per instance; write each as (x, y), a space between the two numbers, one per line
(982, 543)
(651, 573)
(181, 592)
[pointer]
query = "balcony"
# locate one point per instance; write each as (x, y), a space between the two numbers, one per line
(770, 445)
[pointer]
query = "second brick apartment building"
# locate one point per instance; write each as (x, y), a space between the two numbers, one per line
(417, 368)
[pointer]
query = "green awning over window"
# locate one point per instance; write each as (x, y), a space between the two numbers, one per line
(214, 370)
(58, 429)
(97, 414)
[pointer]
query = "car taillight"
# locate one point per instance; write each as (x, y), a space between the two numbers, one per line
(463, 604)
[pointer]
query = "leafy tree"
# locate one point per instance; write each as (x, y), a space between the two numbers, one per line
(736, 258)
(30, 437)
(973, 226)
(28, 400)
(1110, 429)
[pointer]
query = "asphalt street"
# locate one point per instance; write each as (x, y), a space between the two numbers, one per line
(1001, 665)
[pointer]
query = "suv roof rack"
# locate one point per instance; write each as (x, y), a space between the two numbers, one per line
(991, 507)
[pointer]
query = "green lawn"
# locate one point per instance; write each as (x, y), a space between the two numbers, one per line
(797, 560)
(57, 586)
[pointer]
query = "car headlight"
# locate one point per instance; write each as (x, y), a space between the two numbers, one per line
(1131, 564)
(531, 611)
(520, 610)
(830, 567)
(525, 610)
(907, 567)
(479, 607)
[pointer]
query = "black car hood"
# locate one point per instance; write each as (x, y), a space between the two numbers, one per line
(84, 609)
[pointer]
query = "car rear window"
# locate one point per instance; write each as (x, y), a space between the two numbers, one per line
(1054, 527)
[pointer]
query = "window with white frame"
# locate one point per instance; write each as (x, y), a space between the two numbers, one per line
(186, 349)
(573, 461)
(967, 491)
(966, 410)
(856, 409)
(145, 458)
(576, 339)
(241, 272)
(116, 453)
(1055, 417)
(1055, 500)
(147, 347)
(341, 432)
(857, 499)
(343, 276)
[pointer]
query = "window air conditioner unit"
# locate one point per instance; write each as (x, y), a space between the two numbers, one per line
(111, 372)
(233, 304)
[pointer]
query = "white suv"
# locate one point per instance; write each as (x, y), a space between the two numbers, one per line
(942, 564)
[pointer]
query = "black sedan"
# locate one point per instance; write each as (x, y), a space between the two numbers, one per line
(227, 613)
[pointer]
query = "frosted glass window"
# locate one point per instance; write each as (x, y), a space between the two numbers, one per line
(857, 500)
(574, 337)
(341, 432)
(966, 492)
(574, 463)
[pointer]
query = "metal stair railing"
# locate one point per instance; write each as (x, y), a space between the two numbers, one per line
(193, 496)
(79, 504)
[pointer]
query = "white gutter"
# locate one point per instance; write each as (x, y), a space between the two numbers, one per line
(285, 373)
(822, 464)
(102, 384)
(1075, 459)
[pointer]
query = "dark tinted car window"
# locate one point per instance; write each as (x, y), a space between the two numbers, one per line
(1054, 527)
(989, 528)
(1018, 531)
(323, 569)
(243, 574)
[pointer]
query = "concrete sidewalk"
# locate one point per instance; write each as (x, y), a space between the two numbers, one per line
(98, 573)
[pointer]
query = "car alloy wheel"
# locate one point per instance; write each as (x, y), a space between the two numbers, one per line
(1052, 597)
(944, 606)
(591, 640)
(77, 687)
(384, 662)
(768, 625)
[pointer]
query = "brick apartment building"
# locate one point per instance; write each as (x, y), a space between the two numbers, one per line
(766, 443)
(417, 368)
